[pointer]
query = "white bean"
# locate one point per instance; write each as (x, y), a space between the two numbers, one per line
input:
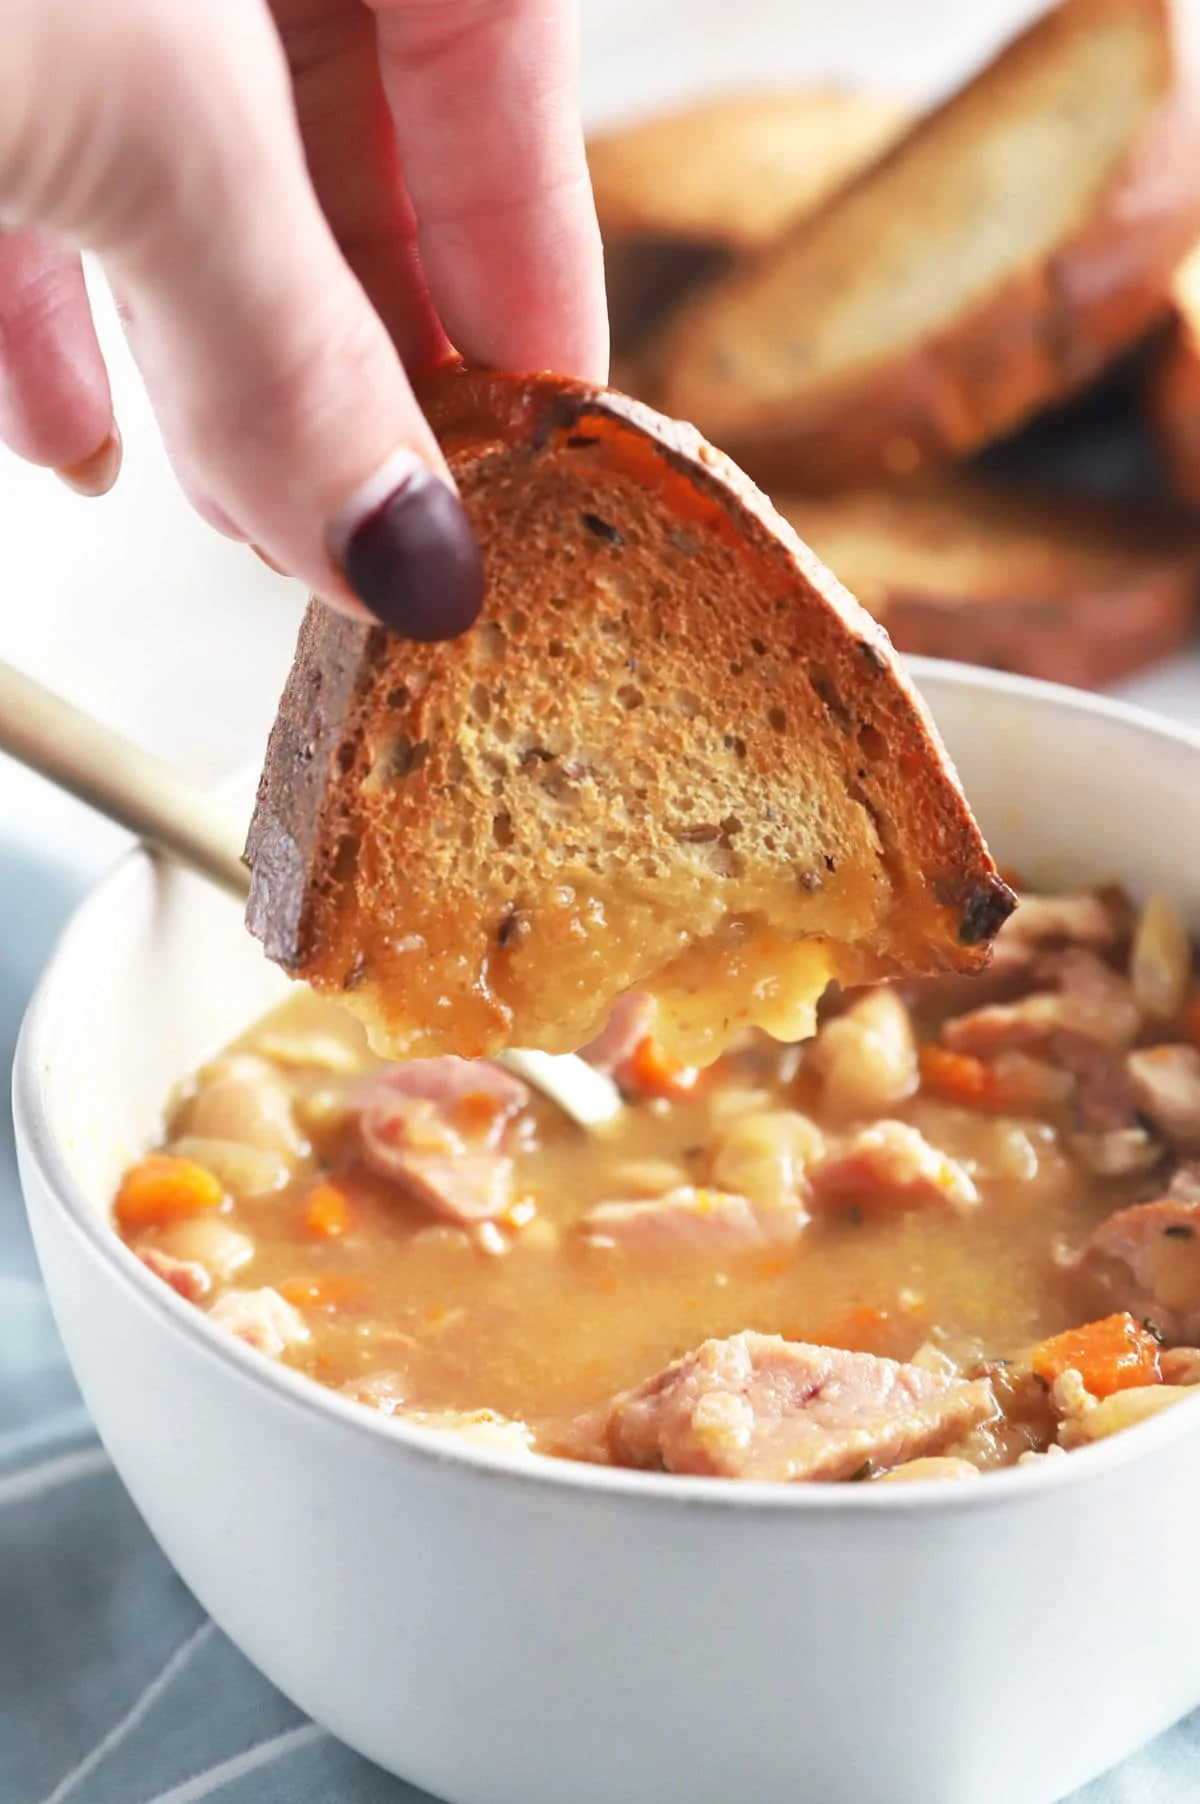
(929, 1468)
(1160, 963)
(867, 1058)
(243, 1170)
(764, 1156)
(1124, 1408)
(244, 1099)
(220, 1249)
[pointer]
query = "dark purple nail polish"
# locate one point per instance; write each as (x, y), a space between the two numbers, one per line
(415, 562)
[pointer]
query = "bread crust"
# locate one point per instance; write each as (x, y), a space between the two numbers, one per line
(1066, 589)
(1172, 396)
(500, 435)
(1042, 334)
(1086, 641)
(679, 195)
(735, 171)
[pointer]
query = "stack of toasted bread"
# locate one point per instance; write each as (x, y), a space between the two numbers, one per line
(853, 301)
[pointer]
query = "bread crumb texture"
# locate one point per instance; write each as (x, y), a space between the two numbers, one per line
(673, 755)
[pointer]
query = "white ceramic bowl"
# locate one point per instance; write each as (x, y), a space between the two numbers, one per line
(507, 1633)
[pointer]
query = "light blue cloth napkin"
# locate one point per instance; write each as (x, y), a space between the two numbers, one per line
(115, 1688)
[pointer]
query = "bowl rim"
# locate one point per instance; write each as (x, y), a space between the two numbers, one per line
(40, 1146)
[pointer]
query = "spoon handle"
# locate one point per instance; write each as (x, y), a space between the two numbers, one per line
(100, 768)
(119, 780)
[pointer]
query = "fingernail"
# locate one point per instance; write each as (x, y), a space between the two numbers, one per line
(409, 553)
(97, 473)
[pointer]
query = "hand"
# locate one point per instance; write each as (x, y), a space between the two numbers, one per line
(276, 284)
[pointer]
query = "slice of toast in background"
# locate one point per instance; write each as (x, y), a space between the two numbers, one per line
(993, 261)
(1072, 590)
(674, 754)
(1173, 388)
(739, 169)
(677, 195)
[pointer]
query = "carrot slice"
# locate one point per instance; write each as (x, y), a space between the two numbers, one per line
(323, 1290)
(521, 1213)
(327, 1211)
(163, 1189)
(958, 1076)
(864, 1328)
(1114, 1354)
(476, 1112)
(653, 1069)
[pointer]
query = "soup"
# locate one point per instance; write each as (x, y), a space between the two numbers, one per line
(957, 1229)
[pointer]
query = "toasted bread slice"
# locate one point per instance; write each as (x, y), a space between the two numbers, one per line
(992, 262)
(737, 170)
(1173, 387)
(674, 754)
(1072, 590)
(678, 195)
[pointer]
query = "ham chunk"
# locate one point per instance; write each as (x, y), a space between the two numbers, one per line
(458, 1185)
(1110, 1139)
(262, 1318)
(1082, 919)
(1180, 1365)
(1102, 1093)
(1001, 1025)
(1166, 1083)
(759, 1407)
(187, 1277)
(632, 1018)
(1089, 999)
(1149, 1256)
(891, 1165)
(474, 1098)
(690, 1220)
(434, 1126)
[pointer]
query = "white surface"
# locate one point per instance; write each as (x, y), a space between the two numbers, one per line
(521, 1633)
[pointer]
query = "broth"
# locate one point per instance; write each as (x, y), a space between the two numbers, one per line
(938, 1179)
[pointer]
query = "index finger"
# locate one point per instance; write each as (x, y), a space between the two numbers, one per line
(483, 96)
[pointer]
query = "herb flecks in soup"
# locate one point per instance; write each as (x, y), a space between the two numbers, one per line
(958, 1229)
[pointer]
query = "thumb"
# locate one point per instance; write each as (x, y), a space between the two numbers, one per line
(271, 375)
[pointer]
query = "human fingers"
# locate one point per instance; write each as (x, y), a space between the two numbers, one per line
(354, 165)
(55, 401)
(164, 138)
(483, 99)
